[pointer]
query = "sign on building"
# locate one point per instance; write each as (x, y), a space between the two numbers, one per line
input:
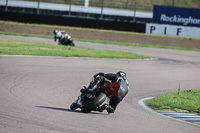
(175, 21)
(173, 30)
(176, 15)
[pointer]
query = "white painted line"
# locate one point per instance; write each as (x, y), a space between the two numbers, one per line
(141, 103)
(175, 113)
(183, 117)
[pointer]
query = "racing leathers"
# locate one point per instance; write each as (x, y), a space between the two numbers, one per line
(119, 78)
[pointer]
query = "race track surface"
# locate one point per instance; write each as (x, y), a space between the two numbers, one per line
(36, 92)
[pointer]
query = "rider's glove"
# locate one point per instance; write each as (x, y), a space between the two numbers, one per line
(84, 90)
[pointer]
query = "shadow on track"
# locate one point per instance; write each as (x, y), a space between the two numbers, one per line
(61, 109)
(64, 109)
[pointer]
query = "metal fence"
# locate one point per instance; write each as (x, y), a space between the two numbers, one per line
(132, 8)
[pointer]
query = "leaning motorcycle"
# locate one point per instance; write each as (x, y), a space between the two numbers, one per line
(64, 39)
(90, 101)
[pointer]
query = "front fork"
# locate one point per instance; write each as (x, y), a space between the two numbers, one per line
(79, 101)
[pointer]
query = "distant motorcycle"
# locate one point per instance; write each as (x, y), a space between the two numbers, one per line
(90, 101)
(63, 39)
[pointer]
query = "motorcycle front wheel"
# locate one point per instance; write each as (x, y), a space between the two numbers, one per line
(74, 106)
(72, 44)
(93, 104)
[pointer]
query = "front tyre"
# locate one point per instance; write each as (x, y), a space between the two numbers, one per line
(72, 44)
(74, 106)
(96, 102)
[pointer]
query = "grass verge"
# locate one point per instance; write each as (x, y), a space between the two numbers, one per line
(102, 41)
(72, 28)
(187, 101)
(92, 30)
(13, 47)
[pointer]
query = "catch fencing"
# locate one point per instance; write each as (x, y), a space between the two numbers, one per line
(131, 8)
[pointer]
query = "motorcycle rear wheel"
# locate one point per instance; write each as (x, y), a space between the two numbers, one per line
(96, 102)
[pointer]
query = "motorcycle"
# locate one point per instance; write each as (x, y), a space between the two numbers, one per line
(90, 101)
(64, 39)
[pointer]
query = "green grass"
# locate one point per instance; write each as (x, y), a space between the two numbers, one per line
(103, 41)
(26, 35)
(138, 44)
(72, 28)
(91, 30)
(96, 30)
(13, 47)
(186, 101)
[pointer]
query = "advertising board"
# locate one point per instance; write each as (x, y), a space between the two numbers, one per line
(176, 16)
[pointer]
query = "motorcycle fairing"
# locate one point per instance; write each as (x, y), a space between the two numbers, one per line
(79, 102)
(111, 88)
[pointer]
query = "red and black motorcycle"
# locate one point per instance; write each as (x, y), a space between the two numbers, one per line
(90, 101)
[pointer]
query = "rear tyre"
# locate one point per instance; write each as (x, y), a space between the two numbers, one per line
(96, 102)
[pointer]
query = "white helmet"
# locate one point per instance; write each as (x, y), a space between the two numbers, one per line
(122, 74)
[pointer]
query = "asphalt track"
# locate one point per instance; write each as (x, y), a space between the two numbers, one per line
(36, 92)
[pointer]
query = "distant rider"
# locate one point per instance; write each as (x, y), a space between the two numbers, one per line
(63, 38)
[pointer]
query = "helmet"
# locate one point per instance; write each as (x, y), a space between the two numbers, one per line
(57, 34)
(122, 74)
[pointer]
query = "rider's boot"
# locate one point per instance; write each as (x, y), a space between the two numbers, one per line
(106, 107)
(101, 108)
(109, 109)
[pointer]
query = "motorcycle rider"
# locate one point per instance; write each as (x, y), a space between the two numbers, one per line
(99, 79)
(62, 38)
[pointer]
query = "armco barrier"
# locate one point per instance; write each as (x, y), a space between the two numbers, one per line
(72, 21)
(91, 15)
